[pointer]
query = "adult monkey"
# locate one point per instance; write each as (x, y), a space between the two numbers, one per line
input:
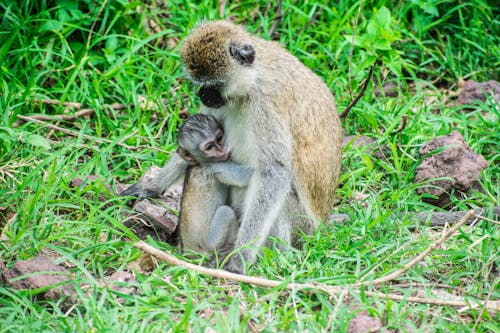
(279, 119)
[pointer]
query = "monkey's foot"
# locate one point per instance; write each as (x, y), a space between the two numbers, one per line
(235, 265)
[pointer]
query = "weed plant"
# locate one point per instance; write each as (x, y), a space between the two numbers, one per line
(102, 52)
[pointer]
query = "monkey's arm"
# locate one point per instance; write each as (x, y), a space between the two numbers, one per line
(167, 176)
(265, 197)
(230, 173)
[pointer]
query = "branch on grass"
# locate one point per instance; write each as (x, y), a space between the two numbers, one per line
(88, 137)
(143, 104)
(277, 19)
(331, 290)
(221, 4)
(414, 261)
(362, 92)
(402, 126)
(351, 50)
(313, 18)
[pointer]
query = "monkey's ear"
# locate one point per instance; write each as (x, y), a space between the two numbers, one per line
(244, 54)
(186, 156)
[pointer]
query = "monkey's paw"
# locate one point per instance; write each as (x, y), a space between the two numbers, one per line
(140, 191)
(235, 265)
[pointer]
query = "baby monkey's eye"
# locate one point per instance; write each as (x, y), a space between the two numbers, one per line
(209, 147)
(219, 138)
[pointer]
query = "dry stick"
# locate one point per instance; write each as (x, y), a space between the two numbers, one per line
(88, 137)
(421, 256)
(220, 7)
(352, 47)
(95, 22)
(75, 105)
(277, 19)
(361, 93)
(487, 219)
(402, 126)
(66, 117)
(331, 290)
(313, 18)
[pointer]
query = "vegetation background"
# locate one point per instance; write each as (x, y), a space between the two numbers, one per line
(97, 53)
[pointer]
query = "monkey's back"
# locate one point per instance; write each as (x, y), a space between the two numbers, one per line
(194, 223)
(309, 107)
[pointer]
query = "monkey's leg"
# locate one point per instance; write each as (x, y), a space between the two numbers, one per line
(167, 176)
(261, 213)
(223, 222)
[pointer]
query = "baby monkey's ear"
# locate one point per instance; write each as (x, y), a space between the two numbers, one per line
(244, 54)
(186, 156)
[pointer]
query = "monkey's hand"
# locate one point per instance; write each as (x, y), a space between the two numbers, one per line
(230, 173)
(141, 191)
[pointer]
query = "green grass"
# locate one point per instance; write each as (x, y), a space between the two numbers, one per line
(46, 53)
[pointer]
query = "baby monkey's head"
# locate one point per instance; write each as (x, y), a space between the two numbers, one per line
(201, 140)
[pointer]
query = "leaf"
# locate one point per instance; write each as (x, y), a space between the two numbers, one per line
(382, 44)
(367, 62)
(38, 141)
(51, 25)
(383, 17)
(358, 40)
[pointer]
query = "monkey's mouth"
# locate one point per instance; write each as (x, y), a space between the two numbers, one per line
(211, 96)
(224, 157)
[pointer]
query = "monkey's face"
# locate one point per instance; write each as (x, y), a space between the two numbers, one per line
(214, 51)
(213, 148)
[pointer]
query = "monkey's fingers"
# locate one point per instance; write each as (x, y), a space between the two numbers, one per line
(140, 191)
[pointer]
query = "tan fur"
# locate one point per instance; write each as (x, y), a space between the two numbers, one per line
(280, 117)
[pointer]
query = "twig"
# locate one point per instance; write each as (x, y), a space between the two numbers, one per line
(361, 93)
(95, 22)
(75, 105)
(421, 256)
(88, 137)
(143, 104)
(59, 117)
(351, 51)
(486, 219)
(277, 19)
(331, 290)
(313, 18)
(402, 126)
(220, 7)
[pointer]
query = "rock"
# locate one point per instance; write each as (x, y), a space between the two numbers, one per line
(457, 161)
(122, 282)
(40, 272)
(473, 91)
(363, 323)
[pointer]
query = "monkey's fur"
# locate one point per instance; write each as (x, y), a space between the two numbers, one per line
(214, 225)
(280, 120)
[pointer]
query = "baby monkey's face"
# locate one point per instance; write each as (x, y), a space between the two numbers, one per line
(213, 148)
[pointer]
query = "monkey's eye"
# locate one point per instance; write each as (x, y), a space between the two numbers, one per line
(219, 138)
(209, 147)
(244, 54)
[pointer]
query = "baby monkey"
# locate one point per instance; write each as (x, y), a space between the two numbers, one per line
(201, 144)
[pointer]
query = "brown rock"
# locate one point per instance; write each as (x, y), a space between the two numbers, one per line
(40, 272)
(473, 91)
(160, 216)
(363, 323)
(457, 162)
(122, 282)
